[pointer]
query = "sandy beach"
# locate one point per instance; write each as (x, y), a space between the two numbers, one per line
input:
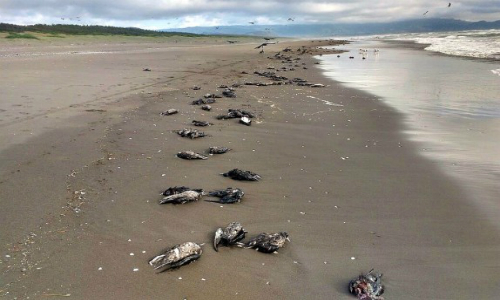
(85, 155)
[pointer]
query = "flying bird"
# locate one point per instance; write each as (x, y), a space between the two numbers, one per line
(425, 13)
(253, 22)
(291, 19)
(263, 45)
(449, 4)
(217, 27)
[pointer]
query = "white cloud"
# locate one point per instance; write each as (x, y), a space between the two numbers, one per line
(159, 13)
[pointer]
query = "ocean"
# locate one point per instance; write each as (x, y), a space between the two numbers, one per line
(447, 86)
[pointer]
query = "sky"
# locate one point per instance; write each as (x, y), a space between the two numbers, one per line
(163, 14)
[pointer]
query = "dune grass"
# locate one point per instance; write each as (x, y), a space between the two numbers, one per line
(55, 35)
(15, 35)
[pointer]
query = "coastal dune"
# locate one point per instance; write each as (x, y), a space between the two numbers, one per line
(80, 214)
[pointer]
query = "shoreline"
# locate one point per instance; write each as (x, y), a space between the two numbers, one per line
(457, 139)
(336, 197)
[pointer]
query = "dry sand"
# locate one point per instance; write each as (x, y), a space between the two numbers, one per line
(85, 154)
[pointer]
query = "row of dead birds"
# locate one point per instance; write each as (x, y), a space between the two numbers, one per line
(209, 98)
(365, 286)
(184, 194)
(231, 235)
(194, 155)
(244, 117)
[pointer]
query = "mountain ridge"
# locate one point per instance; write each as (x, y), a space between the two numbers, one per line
(341, 29)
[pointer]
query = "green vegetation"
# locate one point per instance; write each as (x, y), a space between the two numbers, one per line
(55, 36)
(14, 35)
(86, 30)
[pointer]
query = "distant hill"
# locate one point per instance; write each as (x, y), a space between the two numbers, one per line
(330, 30)
(87, 30)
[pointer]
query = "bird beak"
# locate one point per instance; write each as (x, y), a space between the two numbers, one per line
(217, 239)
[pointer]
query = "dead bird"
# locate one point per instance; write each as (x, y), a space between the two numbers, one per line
(238, 174)
(169, 112)
(190, 133)
(229, 236)
(183, 197)
(299, 80)
(246, 121)
(201, 123)
(198, 102)
(206, 107)
(203, 101)
(267, 243)
(227, 196)
(317, 85)
(235, 113)
(367, 286)
(179, 189)
(229, 93)
(238, 113)
(190, 155)
(212, 96)
(218, 150)
(176, 256)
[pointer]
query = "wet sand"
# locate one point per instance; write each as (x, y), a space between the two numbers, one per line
(80, 182)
